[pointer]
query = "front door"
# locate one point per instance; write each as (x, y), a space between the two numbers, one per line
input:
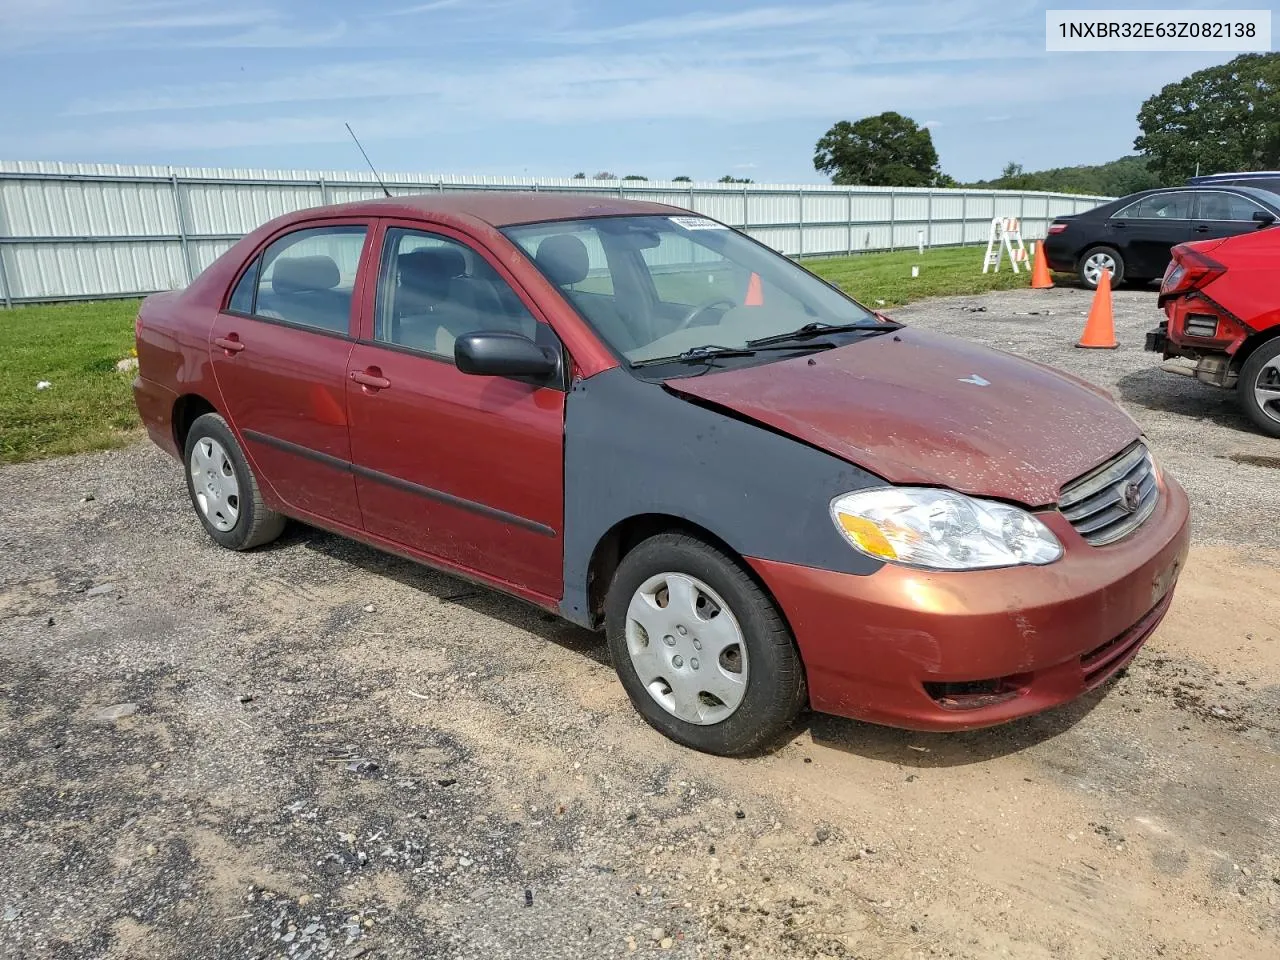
(1221, 214)
(1146, 231)
(466, 469)
(279, 353)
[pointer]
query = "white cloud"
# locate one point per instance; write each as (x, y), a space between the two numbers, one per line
(36, 24)
(914, 17)
(567, 92)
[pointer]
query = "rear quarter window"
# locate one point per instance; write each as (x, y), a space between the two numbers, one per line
(242, 297)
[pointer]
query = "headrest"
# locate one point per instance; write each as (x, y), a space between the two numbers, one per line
(304, 274)
(564, 259)
(429, 271)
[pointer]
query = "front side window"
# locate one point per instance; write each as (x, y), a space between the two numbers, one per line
(435, 290)
(1159, 206)
(308, 277)
(654, 287)
(1227, 206)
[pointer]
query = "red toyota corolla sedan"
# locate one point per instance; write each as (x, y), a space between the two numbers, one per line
(643, 420)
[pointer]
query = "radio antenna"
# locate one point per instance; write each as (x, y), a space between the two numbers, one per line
(367, 160)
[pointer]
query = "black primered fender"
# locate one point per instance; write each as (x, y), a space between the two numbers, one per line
(632, 447)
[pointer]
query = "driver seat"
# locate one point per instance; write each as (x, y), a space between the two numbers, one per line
(564, 259)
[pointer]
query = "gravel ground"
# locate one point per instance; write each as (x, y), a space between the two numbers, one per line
(314, 750)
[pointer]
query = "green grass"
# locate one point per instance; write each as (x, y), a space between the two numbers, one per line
(76, 348)
(946, 271)
(90, 405)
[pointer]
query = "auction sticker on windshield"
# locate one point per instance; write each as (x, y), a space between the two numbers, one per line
(697, 223)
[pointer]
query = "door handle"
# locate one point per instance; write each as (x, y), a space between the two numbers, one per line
(1202, 229)
(371, 379)
(230, 343)
(1118, 225)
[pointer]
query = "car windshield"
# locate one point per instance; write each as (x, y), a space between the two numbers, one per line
(657, 287)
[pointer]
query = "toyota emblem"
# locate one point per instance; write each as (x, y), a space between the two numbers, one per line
(1131, 496)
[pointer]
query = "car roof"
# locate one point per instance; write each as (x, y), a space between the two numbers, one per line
(498, 208)
(1218, 177)
(1257, 193)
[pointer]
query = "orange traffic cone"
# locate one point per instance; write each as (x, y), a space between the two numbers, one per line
(755, 293)
(1100, 328)
(1040, 279)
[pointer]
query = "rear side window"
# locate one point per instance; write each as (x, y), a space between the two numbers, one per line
(1160, 206)
(308, 277)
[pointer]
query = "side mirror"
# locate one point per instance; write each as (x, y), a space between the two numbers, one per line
(1263, 219)
(502, 354)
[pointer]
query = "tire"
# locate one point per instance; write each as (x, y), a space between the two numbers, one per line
(223, 489)
(768, 683)
(1092, 259)
(1262, 369)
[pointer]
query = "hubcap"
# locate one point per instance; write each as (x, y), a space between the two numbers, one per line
(213, 479)
(1094, 266)
(687, 648)
(1266, 389)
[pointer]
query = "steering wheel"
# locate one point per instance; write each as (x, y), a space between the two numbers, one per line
(700, 309)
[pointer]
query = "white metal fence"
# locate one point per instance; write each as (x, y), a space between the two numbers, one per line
(73, 231)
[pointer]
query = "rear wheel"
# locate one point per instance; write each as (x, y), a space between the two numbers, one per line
(1095, 261)
(224, 490)
(702, 652)
(1259, 387)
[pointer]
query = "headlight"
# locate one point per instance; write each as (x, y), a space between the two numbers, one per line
(942, 530)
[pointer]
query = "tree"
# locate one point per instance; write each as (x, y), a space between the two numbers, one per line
(580, 176)
(1115, 179)
(945, 181)
(605, 175)
(728, 178)
(1222, 119)
(635, 176)
(682, 180)
(888, 150)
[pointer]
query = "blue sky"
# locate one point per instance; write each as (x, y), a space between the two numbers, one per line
(551, 87)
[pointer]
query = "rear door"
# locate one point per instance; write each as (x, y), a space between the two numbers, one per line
(1222, 214)
(466, 469)
(1146, 231)
(279, 352)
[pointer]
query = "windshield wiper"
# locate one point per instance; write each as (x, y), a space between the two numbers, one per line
(817, 328)
(706, 352)
(713, 352)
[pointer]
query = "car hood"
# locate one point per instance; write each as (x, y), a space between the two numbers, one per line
(922, 408)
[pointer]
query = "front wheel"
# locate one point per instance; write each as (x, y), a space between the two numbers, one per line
(1095, 261)
(224, 490)
(701, 650)
(1259, 387)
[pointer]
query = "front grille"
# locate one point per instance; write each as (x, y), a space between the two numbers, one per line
(1112, 501)
(1202, 325)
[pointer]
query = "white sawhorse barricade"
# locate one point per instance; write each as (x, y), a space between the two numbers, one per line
(1006, 235)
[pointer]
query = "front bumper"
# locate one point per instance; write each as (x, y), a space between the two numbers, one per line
(926, 650)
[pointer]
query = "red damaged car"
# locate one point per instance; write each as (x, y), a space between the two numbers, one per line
(1222, 306)
(765, 494)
